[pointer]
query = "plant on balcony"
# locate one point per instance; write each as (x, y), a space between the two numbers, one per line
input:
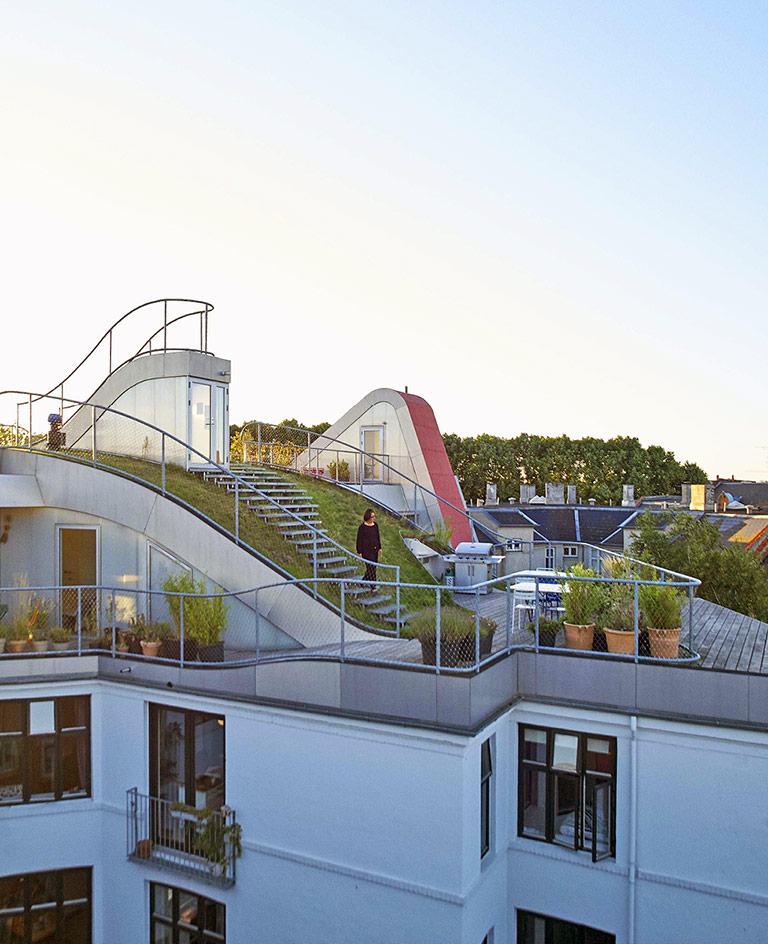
(3, 634)
(343, 471)
(548, 630)
(60, 638)
(18, 635)
(661, 607)
(205, 616)
(150, 634)
(581, 602)
(457, 635)
(619, 618)
(213, 838)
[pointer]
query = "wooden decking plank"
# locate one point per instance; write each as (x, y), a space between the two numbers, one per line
(725, 639)
(745, 656)
(717, 636)
(758, 650)
(731, 659)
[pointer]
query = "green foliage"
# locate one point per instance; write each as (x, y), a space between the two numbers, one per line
(59, 634)
(455, 623)
(343, 475)
(583, 598)
(546, 625)
(149, 632)
(660, 605)
(598, 468)
(212, 834)
(205, 616)
(19, 629)
(619, 607)
(729, 576)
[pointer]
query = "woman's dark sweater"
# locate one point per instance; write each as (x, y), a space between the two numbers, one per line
(368, 541)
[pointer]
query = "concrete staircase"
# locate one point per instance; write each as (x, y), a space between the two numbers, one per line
(283, 504)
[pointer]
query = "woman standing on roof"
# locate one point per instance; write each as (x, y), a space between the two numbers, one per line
(369, 544)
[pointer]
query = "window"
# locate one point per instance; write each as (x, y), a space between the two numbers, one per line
(570, 550)
(186, 761)
(486, 771)
(179, 917)
(549, 557)
(538, 929)
(45, 749)
(566, 789)
(46, 906)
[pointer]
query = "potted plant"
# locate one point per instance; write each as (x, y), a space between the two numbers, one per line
(3, 633)
(580, 603)
(214, 838)
(180, 582)
(619, 623)
(487, 629)
(205, 616)
(457, 635)
(661, 607)
(61, 638)
(18, 635)
(548, 630)
(152, 635)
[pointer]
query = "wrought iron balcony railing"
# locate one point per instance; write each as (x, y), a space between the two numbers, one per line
(204, 843)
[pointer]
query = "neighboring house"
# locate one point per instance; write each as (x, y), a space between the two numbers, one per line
(538, 796)
(738, 496)
(748, 532)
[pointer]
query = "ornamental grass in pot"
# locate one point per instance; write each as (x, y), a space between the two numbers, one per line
(619, 622)
(18, 635)
(457, 635)
(581, 603)
(661, 608)
(548, 630)
(61, 638)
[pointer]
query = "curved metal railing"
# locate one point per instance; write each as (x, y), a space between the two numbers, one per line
(114, 435)
(106, 342)
(113, 621)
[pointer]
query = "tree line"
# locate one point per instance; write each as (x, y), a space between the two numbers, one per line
(597, 467)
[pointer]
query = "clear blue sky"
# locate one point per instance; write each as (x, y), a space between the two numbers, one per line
(543, 217)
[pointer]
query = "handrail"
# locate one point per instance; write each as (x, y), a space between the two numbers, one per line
(243, 486)
(374, 457)
(108, 335)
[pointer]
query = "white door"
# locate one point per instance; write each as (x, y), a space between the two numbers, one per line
(372, 443)
(208, 416)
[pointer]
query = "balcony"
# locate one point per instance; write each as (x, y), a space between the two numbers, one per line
(204, 843)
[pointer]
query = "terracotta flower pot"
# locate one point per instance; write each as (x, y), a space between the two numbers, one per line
(618, 640)
(143, 849)
(665, 643)
(579, 636)
(150, 648)
(2, 643)
(40, 645)
(17, 645)
(61, 646)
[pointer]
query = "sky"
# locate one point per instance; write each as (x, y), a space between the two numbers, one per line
(543, 217)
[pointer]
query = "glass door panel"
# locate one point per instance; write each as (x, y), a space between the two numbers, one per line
(371, 442)
(200, 422)
(78, 566)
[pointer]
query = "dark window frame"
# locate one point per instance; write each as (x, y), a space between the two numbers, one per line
(587, 781)
(581, 930)
(203, 936)
(486, 774)
(59, 734)
(189, 749)
(25, 911)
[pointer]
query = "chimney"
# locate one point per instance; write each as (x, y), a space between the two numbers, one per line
(628, 496)
(526, 493)
(592, 501)
(555, 493)
(571, 494)
(709, 497)
(686, 494)
(490, 494)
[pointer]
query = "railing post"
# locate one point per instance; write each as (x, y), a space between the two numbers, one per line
(237, 511)
(201, 331)
(477, 628)
(637, 624)
(206, 328)
(258, 432)
(16, 442)
(93, 434)
(114, 626)
(314, 561)
(110, 351)
(256, 620)
(509, 610)
(690, 619)
(162, 460)
(79, 619)
(397, 601)
(536, 611)
(30, 422)
(341, 609)
(437, 631)
(165, 325)
(181, 629)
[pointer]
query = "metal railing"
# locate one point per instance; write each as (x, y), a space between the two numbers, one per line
(178, 837)
(111, 351)
(138, 450)
(318, 454)
(645, 616)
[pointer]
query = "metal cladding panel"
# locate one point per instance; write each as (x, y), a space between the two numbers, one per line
(438, 465)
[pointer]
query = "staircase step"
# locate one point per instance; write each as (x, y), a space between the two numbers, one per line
(331, 560)
(373, 601)
(383, 610)
(337, 571)
(404, 617)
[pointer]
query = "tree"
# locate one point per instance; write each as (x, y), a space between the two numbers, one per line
(733, 577)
